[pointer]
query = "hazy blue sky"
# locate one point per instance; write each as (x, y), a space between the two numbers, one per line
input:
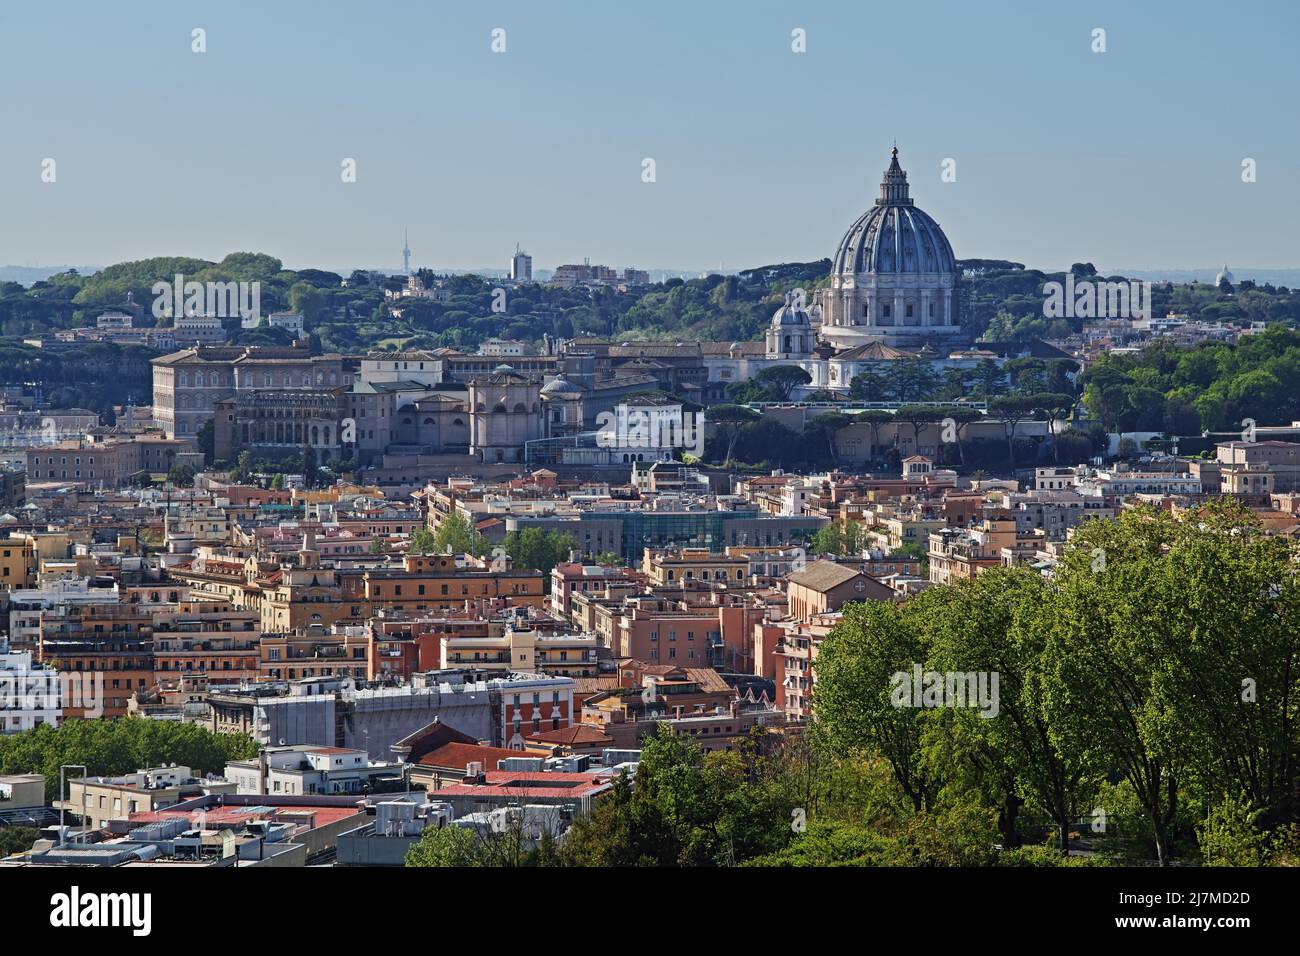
(1127, 158)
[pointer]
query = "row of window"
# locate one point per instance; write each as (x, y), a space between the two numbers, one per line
(672, 653)
(226, 379)
(704, 575)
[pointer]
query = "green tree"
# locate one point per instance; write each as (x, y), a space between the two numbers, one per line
(307, 300)
(537, 549)
(1013, 410)
(869, 386)
(1229, 835)
(912, 380)
(206, 441)
(457, 535)
(110, 747)
(856, 666)
(777, 383)
(1171, 660)
(821, 431)
(988, 625)
(182, 476)
(687, 808)
(16, 839)
(727, 422)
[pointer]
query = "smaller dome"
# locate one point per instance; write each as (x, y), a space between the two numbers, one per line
(561, 388)
(1224, 276)
(790, 315)
(502, 368)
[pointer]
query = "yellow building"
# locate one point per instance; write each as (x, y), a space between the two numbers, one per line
(17, 564)
(675, 568)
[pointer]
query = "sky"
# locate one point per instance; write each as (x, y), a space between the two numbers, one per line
(1129, 157)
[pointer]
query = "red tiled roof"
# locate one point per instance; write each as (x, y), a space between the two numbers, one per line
(455, 756)
(577, 734)
(501, 783)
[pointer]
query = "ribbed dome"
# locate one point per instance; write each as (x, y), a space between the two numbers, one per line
(894, 236)
(790, 315)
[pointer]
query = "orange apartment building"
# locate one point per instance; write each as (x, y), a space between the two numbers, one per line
(674, 633)
(103, 652)
(958, 554)
(204, 639)
(436, 582)
(571, 578)
(316, 652)
(796, 656)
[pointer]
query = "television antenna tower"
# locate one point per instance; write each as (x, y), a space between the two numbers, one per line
(406, 252)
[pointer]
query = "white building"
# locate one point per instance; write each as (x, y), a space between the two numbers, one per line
(1141, 482)
(521, 266)
(26, 605)
(424, 368)
(291, 322)
(503, 348)
(1054, 479)
(307, 769)
(29, 693)
(198, 330)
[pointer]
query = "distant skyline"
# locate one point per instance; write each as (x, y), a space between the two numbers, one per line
(762, 155)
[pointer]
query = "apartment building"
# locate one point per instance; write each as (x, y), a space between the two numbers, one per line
(522, 648)
(204, 639)
(17, 564)
(441, 581)
(188, 384)
(1258, 468)
(30, 694)
(958, 554)
(103, 652)
(672, 568)
(100, 800)
(306, 769)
